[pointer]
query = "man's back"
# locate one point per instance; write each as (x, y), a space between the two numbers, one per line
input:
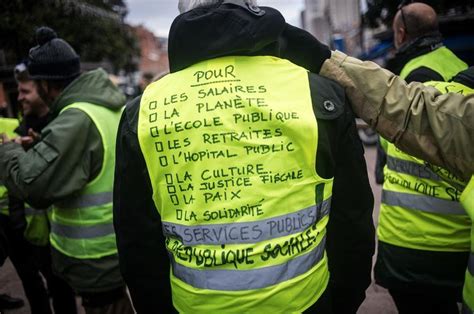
(227, 113)
(243, 209)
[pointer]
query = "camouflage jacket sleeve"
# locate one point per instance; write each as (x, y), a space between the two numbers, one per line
(438, 128)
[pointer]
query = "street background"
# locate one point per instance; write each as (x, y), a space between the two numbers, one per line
(378, 300)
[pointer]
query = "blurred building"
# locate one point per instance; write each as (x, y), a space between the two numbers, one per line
(154, 51)
(335, 22)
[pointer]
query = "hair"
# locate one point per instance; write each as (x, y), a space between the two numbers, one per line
(188, 5)
(420, 25)
(22, 77)
(148, 76)
(61, 84)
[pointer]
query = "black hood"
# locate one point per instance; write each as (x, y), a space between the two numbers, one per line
(222, 30)
(465, 77)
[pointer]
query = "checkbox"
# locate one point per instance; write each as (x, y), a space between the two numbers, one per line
(159, 147)
(171, 189)
(154, 131)
(163, 161)
(153, 105)
(153, 117)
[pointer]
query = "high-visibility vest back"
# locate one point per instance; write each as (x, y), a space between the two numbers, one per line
(230, 147)
(440, 60)
(82, 226)
(419, 208)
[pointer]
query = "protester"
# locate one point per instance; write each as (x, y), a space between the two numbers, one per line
(463, 84)
(421, 55)
(424, 260)
(410, 117)
(424, 235)
(71, 168)
(264, 283)
(34, 257)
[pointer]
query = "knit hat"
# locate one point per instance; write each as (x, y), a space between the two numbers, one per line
(53, 58)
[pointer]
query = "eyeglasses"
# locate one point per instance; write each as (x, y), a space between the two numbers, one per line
(400, 8)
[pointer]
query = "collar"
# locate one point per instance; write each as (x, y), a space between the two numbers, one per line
(466, 77)
(420, 46)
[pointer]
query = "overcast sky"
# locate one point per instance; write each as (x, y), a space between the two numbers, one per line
(157, 15)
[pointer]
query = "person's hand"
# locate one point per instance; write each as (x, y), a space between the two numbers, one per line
(28, 141)
(34, 135)
(23, 140)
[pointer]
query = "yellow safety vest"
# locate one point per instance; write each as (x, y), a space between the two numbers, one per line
(419, 209)
(467, 200)
(230, 147)
(440, 60)
(420, 203)
(37, 225)
(8, 127)
(82, 226)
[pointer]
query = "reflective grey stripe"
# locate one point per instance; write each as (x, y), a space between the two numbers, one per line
(411, 168)
(470, 265)
(422, 202)
(83, 201)
(248, 232)
(82, 232)
(466, 309)
(234, 280)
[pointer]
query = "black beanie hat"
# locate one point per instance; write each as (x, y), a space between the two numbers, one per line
(53, 58)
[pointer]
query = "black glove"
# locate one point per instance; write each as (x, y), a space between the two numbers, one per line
(303, 49)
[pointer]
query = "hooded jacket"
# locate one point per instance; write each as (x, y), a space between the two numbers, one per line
(223, 30)
(68, 156)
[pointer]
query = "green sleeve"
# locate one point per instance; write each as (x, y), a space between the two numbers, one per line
(69, 155)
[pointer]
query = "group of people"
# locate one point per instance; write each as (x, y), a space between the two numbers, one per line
(237, 183)
(66, 174)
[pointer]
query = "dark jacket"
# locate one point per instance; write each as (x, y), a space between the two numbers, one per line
(69, 155)
(206, 33)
